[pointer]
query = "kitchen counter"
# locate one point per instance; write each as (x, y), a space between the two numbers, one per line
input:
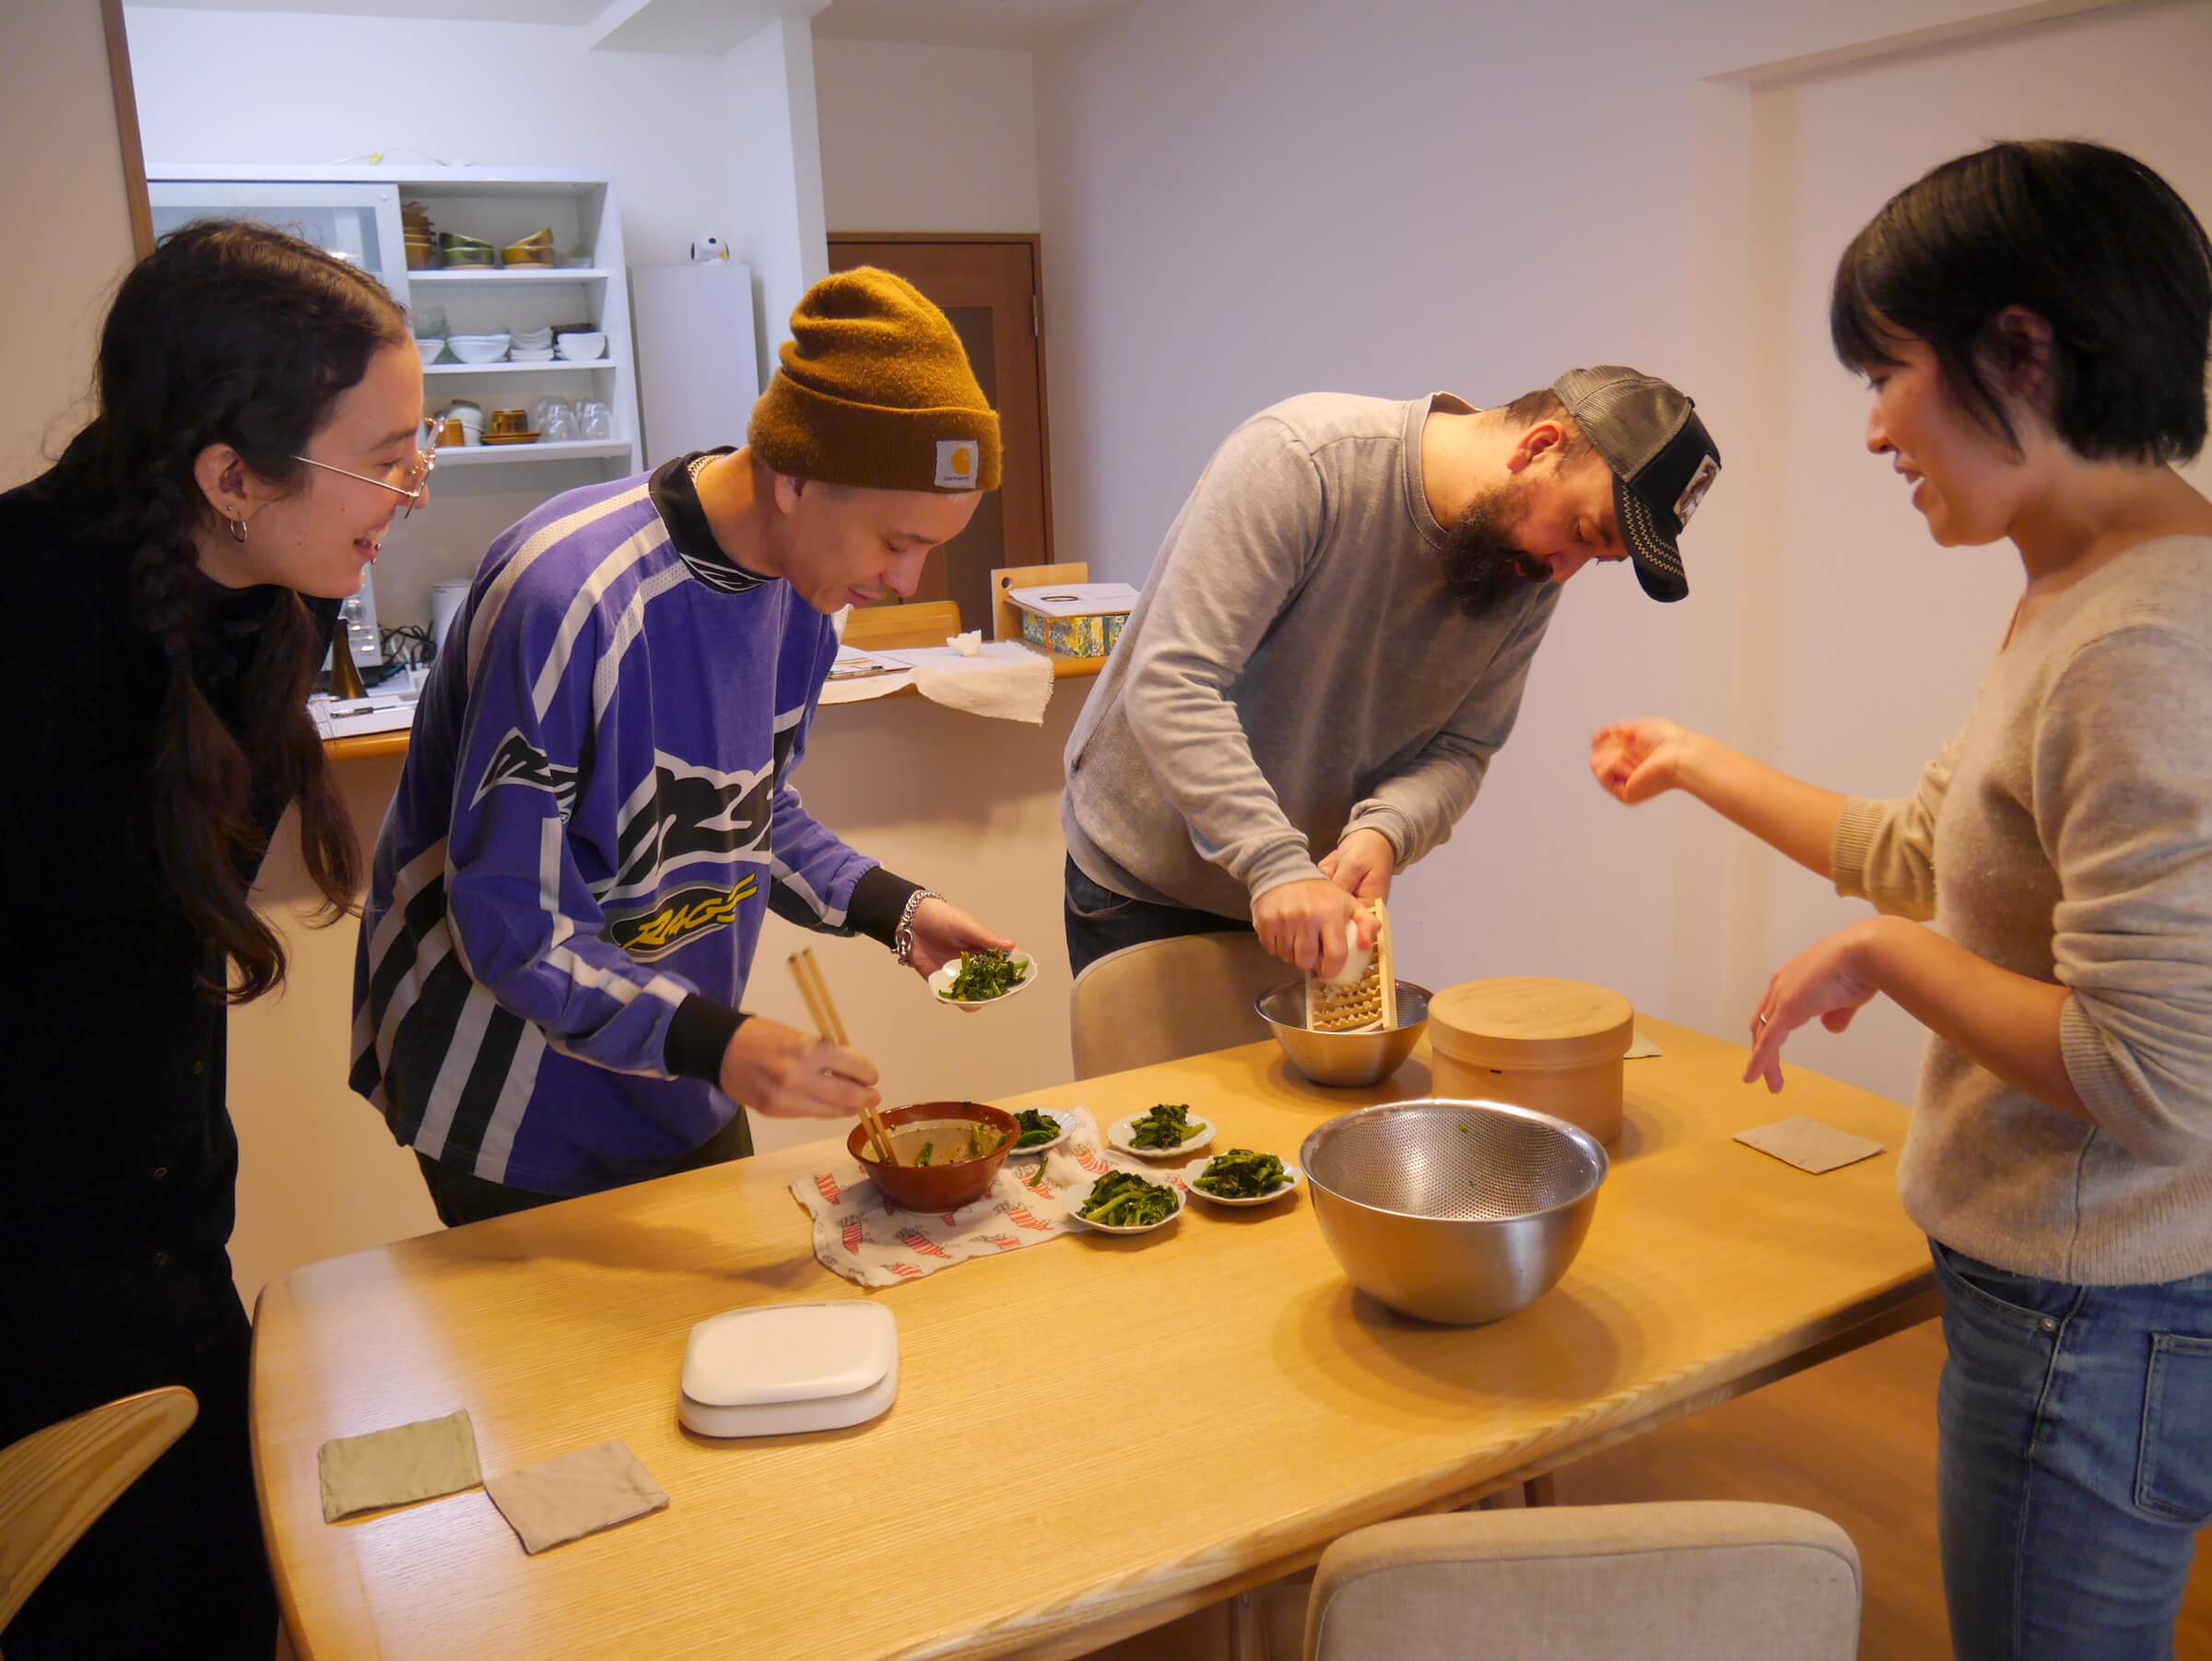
(1092, 1435)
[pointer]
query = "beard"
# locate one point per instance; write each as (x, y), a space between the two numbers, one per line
(1484, 564)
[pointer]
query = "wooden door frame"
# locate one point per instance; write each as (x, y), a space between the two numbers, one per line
(126, 128)
(1035, 243)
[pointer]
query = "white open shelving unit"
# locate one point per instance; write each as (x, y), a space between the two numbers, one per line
(355, 211)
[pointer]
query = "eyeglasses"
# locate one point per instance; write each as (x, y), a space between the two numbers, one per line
(416, 490)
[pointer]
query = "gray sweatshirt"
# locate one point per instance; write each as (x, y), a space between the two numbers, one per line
(2065, 834)
(1294, 668)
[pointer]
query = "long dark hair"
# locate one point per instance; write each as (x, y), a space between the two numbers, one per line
(2089, 240)
(232, 333)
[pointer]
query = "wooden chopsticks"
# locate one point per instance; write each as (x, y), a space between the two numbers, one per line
(816, 992)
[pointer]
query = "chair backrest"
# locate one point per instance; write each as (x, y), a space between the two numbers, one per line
(1166, 999)
(891, 627)
(1697, 1580)
(56, 1482)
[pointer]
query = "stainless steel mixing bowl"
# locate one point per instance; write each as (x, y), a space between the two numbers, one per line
(1342, 1058)
(1454, 1211)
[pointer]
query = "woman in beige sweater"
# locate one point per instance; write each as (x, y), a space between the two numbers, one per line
(2033, 322)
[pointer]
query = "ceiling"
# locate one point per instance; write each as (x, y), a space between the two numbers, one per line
(924, 22)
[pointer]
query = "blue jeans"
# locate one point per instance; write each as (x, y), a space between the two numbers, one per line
(2074, 1461)
(1099, 920)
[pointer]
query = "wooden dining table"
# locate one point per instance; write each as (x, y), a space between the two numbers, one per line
(1092, 1436)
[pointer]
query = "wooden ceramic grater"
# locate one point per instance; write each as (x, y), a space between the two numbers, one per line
(1370, 1003)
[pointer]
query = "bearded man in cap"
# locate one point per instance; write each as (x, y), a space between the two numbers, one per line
(596, 812)
(1332, 643)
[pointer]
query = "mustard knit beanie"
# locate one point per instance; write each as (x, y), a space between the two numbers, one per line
(875, 391)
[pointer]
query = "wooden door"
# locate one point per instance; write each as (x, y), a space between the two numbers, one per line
(988, 286)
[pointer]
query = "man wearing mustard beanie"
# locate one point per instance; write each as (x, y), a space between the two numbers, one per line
(596, 811)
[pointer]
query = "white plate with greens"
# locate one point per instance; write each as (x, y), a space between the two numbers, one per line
(972, 993)
(1063, 1122)
(1145, 1196)
(1288, 1184)
(1122, 1134)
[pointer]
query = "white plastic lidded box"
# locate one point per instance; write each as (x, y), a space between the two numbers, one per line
(788, 1368)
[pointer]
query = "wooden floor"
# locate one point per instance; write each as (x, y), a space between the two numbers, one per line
(1854, 1440)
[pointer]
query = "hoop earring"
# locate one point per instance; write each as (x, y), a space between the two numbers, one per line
(237, 530)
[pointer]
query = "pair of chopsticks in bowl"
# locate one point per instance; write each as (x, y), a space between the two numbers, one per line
(816, 992)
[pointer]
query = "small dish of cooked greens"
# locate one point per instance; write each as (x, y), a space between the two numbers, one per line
(1161, 1132)
(1041, 1128)
(1122, 1202)
(1240, 1177)
(975, 979)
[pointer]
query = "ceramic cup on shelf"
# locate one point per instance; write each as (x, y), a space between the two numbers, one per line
(505, 421)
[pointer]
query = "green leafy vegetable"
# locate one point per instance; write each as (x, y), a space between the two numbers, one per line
(1124, 1200)
(1035, 1130)
(923, 1158)
(985, 976)
(1243, 1174)
(1167, 1126)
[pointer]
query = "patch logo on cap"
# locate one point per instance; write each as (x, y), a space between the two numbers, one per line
(1693, 493)
(956, 464)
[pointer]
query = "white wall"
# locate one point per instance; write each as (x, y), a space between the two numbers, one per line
(768, 85)
(1883, 636)
(926, 137)
(70, 217)
(711, 142)
(269, 88)
(1257, 198)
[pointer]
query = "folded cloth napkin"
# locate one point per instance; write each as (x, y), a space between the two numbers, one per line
(576, 1494)
(1005, 679)
(389, 1468)
(862, 1236)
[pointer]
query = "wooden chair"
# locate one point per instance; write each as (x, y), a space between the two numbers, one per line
(1695, 1581)
(890, 628)
(1165, 999)
(56, 1482)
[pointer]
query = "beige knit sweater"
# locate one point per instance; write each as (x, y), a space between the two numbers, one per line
(2066, 834)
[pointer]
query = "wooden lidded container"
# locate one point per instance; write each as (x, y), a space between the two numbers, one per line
(1556, 1046)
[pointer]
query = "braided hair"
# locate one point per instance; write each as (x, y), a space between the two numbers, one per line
(230, 333)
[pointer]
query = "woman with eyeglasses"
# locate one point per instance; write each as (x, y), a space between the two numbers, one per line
(168, 590)
(2032, 321)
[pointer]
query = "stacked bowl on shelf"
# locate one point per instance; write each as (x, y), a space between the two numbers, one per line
(531, 345)
(421, 246)
(478, 349)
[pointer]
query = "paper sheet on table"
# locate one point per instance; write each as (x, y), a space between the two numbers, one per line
(1006, 679)
(858, 676)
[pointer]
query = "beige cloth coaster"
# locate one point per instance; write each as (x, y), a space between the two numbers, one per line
(416, 1461)
(576, 1494)
(1809, 1145)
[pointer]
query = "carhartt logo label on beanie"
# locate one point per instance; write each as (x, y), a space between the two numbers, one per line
(956, 464)
(875, 390)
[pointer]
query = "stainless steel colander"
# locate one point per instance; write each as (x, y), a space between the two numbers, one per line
(1454, 1211)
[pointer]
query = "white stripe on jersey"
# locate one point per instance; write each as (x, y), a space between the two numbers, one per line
(541, 541)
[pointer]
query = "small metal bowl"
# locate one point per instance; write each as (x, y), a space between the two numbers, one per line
(1343, 1060)
(1459, 1212)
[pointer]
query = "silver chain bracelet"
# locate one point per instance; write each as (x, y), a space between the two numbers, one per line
(902, 938)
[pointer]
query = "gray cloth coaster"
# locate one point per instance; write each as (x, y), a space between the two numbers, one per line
(416, 1461)
(1809, 1145)
(576, 1494)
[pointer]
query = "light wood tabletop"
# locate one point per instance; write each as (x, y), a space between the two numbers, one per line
(1092, 1435)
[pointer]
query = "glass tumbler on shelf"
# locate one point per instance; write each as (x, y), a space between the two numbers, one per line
(597, 420)
(556, 420)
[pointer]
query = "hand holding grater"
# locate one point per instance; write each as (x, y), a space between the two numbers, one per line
(1367, 1001)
